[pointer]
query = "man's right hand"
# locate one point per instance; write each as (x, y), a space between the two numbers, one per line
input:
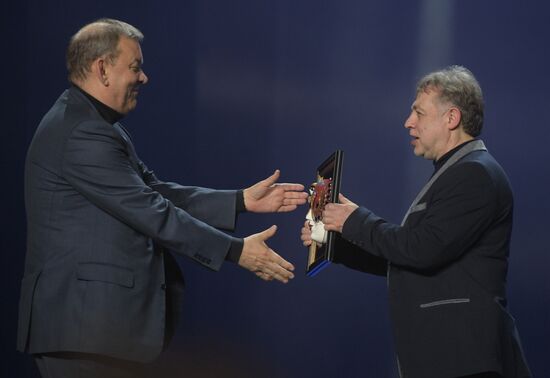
(262, 260)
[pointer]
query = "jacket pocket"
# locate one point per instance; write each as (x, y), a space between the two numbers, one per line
(90, 271)
(420, 207)
(445, 302)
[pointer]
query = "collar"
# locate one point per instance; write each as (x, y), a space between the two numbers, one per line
(443, 159)
(107, 113)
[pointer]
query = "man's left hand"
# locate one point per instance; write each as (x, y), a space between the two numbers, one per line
(336, 214)
(267, 196)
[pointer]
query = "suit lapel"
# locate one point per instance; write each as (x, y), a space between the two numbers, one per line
(476, 145)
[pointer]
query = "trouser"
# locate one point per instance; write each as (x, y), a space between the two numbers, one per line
(85, 365)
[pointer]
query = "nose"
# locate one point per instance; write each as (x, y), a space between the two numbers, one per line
(143, 78)
(409, 122)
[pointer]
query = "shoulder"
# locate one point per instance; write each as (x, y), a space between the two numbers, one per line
(72, 110)
(89, 135)
(469, 169)
(482, 163)
(478, 173)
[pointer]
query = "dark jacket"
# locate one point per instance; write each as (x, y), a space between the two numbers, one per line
(447, 273)
(98, 277)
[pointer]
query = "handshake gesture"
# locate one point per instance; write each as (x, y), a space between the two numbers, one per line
(269, 196)
(264, 197)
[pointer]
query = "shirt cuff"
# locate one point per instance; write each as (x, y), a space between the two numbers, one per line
(235, 250)
(239, 202)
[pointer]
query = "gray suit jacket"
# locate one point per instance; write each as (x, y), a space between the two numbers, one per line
(99, 222)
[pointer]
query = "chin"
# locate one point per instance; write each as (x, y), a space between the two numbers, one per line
(418, 153)
(129, 108)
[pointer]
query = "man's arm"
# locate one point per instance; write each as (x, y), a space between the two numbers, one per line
(214, 207)
(96, 164)
(350, 255)
(459, 211)
(356, 258)
(218, 208)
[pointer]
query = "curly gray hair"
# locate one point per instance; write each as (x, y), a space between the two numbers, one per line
(458, 86)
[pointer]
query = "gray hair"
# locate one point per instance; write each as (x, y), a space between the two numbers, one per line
(97, 39)
(458, 86)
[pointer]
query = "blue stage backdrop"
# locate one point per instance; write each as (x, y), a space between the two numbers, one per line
(240, 88)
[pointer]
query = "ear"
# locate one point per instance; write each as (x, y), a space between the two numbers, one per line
(100, 71)
(454, 116)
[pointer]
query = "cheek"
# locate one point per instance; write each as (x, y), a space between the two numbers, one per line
(421, 129)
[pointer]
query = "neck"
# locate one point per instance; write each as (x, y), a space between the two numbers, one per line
(455, 139)
(95, 91)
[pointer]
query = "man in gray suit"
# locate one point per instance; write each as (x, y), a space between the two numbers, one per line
(99, 292)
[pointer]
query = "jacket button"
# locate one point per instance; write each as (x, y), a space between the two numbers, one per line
(163, 286)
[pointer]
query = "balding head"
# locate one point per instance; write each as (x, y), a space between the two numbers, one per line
(97, 39)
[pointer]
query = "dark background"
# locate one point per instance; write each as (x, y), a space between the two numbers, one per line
(239, 88)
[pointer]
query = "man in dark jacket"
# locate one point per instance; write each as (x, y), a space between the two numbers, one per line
(446, 264)
(100, 289)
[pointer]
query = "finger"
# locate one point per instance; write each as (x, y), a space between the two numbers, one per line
(286, 208)
(306, 240)
(280, 279)
(264, 276)
(279, 261)
(274, 271)
(306, 231)
(331, 210)
(343, 199)
(266, 234)
(294, 201)
(279, 273)
(331, 227)
(277, 267)
(330, 206)
(283, 279)
(272, 179)
(295, 195)
(288, 187)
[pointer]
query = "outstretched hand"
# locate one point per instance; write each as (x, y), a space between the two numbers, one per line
(267, 196)
(258, 258)
(336, 214)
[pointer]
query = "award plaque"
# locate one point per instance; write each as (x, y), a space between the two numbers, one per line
(324, 190)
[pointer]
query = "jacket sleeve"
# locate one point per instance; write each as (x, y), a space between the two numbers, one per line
(214, 207)
(96, 164)
(460, 207)
(356, 258)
